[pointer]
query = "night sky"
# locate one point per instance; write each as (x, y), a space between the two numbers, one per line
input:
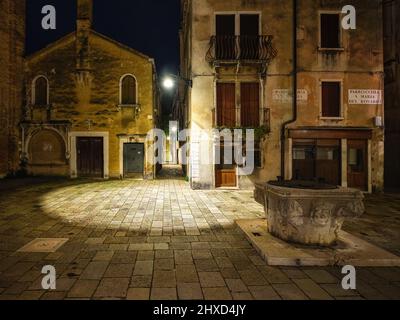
(149, 26)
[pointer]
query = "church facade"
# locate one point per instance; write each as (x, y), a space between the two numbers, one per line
(91, 103)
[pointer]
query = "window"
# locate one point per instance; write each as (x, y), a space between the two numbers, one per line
(40, 91)
(330, 31)
(237, 36)
(331, 99)
(128, 88)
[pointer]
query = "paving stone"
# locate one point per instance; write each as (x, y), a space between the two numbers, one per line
(163, 294)
(54, 296)
(119, 271)
(321, 276)
(206, 265)
(138, 294)
(29, 295)
(312, 290)
(145, 256)
(164, 264)
(143, 268)
(211, 280)
(83, 289)
(141, 247)
(94, 271)
(236, 285)
(164, 279)
(164, 254)
(264, 293)
(112, 288)
(391, 292)
(242, 296)
(274, 275)
(253, 278)
(186, 274)
(289, 292)
(294, 273)
(124, 257)
(141, 281)
(217, 294)
(183, 257)
(369, 292)
(189, 291)
(230, 273)
(202, 254)
(103, 256)
(335, 290)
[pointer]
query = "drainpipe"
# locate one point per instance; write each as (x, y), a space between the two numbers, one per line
(294, 119)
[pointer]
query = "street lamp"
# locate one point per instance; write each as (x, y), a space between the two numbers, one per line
(170, 81)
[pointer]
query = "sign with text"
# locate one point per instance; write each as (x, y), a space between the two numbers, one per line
(285, 95)
(367, 96)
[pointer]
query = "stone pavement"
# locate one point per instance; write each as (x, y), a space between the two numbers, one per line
(161, 240)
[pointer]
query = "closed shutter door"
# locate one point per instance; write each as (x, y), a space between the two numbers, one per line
(226, 109)
(250, 104)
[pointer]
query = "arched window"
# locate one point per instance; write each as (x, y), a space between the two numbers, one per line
(40, 91)
(128, 88)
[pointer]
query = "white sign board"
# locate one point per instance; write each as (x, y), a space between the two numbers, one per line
(285, 95)
(359, 96)
(302, 95)
(281, 95)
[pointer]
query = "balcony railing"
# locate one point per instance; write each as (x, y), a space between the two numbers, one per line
(241, 48)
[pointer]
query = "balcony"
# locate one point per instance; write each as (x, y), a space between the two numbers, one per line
(245, 49)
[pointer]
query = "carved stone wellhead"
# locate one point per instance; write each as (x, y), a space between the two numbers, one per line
(309, 217)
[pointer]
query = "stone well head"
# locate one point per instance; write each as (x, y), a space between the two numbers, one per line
(307, 213)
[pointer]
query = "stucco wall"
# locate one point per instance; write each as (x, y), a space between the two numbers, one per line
(359, 66)
(91, 101)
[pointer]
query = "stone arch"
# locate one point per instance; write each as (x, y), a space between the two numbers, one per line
(46, 147)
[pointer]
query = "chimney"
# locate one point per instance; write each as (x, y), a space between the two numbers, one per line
(83, 27)
(83, 65)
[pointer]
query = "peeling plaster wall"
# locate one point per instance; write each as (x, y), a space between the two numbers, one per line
(95, 97)
(359, 66)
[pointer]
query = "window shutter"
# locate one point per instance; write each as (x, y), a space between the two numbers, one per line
(250, 104)
(226, 107)
(331, 95)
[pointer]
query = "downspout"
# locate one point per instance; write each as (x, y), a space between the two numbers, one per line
(294, 119)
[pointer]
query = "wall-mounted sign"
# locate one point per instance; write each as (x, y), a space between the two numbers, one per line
(302, 95)
(285, 95)
(361, 96)
(281, 95)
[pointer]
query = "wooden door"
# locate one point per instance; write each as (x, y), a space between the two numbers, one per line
(90, 157)
(357, 164)
(133, 159)
(226, 106)
(225, 171)
(250, 104)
